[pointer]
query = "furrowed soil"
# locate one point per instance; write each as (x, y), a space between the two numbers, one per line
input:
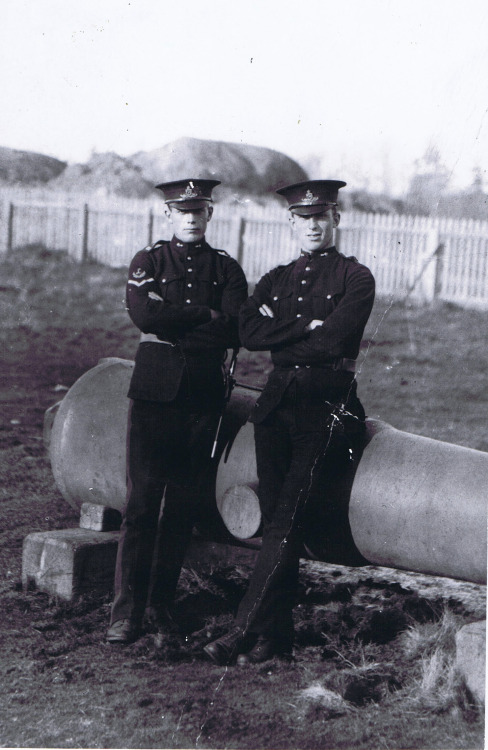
(372, 667)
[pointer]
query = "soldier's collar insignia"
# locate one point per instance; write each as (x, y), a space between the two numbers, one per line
(191, 191)
(139, 273)
(310, 198)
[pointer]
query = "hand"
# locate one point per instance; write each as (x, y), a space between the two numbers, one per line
(313, 324)
(214, 314)
(153, 295)
(266, 311)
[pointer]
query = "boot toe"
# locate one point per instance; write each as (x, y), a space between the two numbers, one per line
(224, 650)
(122, 632)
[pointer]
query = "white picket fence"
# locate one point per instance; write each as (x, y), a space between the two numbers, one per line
(424, 258)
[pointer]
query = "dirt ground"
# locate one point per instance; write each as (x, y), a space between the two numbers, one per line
(372, 666)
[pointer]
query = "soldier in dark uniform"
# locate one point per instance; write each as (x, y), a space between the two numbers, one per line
(310, 314)
(184, 296)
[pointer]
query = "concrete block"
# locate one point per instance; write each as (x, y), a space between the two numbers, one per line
(471, 658)
(69, 562)
(99, 517)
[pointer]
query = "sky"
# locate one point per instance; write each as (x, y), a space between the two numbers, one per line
(360, 88)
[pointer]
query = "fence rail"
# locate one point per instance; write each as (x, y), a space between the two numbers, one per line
(423, 257)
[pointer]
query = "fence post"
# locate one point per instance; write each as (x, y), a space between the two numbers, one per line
(10, 228)
(240, 229)
(426, 279)
(150, 227)
(439, 270)
(84, 244)
(337, 239)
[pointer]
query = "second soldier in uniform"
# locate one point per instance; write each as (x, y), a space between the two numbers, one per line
(184, 296)
(308, 422)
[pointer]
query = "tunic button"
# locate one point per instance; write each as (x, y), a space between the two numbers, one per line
(329, 296)
(307, 268)
(296, 367)
(300, 299)
(188, 301)
(190, 270)
(163, 281)
(303, 281)
(299, 315)
(188, 257)
(275, 298)
(189, 286)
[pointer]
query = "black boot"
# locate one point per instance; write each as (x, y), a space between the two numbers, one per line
(224, 650)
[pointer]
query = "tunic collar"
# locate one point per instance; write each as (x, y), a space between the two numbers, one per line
(182, 247)
(318, 253)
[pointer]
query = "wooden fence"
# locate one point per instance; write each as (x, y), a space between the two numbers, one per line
(425, 258)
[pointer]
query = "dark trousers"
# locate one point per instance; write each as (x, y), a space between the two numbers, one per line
(168, 454)
(294, 465)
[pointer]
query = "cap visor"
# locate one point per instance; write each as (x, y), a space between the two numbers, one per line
(318, 208)
(188, 205)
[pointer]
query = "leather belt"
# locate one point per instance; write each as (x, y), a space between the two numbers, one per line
(341, 363)
(151, 337)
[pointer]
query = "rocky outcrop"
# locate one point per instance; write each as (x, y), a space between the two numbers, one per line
(245, 168)
(27, 167)
(106, 173)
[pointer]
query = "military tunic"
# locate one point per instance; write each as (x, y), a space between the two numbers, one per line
(176, 396)
(190, 280)
(308, 419)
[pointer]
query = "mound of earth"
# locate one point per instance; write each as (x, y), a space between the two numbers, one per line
(250, 168)
(106, 173)
(28, 167)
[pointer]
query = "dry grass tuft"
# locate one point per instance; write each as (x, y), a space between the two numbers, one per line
(318, 699)
(436, 686)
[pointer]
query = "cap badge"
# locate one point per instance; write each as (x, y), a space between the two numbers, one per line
(191, 191)
(310, 198)
(139, 273)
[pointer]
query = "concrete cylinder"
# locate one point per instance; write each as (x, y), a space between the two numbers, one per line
(420, 504)
(87, 441)
(415, 504)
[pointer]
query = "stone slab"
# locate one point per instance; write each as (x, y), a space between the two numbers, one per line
(99, 517)
(471, 658)
(71, 562)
